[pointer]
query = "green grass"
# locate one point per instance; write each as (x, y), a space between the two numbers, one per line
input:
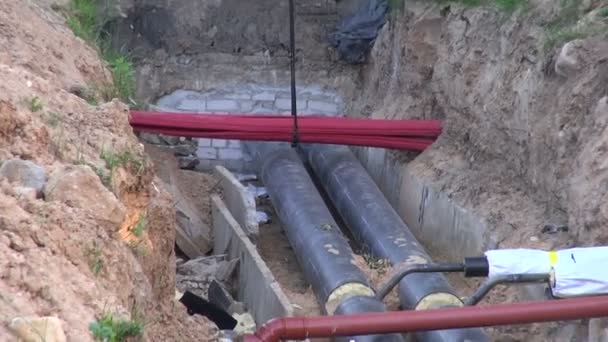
(140, 226)
(125, 159)
(95, 258)
(381, 266)
(85, 19)
(123, 75)
(111, 329)
(35, 104)
(53, 119)
(603, 13)
(510, 5)
(564, 28)
(504, 5)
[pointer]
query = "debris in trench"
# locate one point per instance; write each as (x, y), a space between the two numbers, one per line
(242, 177)
(188, 163)
(226, 270)
(219, 296)
(262, 217)
(257, 191)
(200, 306)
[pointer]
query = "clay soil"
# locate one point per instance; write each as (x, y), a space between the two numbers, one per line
(47, 247)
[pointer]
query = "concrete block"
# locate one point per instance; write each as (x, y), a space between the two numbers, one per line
(258, 288)
(264, 96)
(222, 105)
(323, 107)
(219, 143)
(234, 144)
(240, 202)
(284, 95)
(192, 105)
(247, 106)
(282, 104)
(238, 96)
(204, 142)
(206, 153)
(266, 104)
(230, 154)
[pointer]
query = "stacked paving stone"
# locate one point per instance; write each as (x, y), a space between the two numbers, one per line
(245, 99)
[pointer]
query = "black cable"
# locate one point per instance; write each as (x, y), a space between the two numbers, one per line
(292, 53)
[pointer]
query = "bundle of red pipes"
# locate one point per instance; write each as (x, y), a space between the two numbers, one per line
(413, 135)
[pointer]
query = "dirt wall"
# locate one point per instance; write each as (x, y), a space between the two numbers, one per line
(525, 123)
(68, 248)
(524, 127)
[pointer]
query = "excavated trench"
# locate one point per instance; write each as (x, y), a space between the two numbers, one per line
(472, 191)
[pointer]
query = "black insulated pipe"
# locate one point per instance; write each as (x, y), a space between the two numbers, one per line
(322, 251)
(375, 225)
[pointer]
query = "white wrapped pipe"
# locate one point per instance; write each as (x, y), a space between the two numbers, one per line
(575, 272)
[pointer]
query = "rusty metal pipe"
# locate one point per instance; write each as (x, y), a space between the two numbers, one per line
(299, 328)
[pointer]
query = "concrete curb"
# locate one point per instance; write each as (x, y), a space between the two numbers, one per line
(240, 203)
(258, 288)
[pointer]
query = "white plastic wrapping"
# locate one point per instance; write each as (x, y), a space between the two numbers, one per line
(575, 271)
(517, 261)
(581, 272)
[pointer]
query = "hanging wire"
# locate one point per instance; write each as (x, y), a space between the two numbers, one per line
(292, 55)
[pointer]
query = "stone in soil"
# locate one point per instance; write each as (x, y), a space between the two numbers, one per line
(24, 173)
(79, 187)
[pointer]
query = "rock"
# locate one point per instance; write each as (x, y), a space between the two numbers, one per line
(23, 192)
(169, 140)
(150, 138)
(79, 187)
(38, 329)
(185, 150)
(568, 61)
(24, 173)
(188, 163)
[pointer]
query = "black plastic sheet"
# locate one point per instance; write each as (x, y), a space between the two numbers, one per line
(354, 36)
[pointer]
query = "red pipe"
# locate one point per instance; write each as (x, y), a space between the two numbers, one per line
(299, 328)
(415, 135)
